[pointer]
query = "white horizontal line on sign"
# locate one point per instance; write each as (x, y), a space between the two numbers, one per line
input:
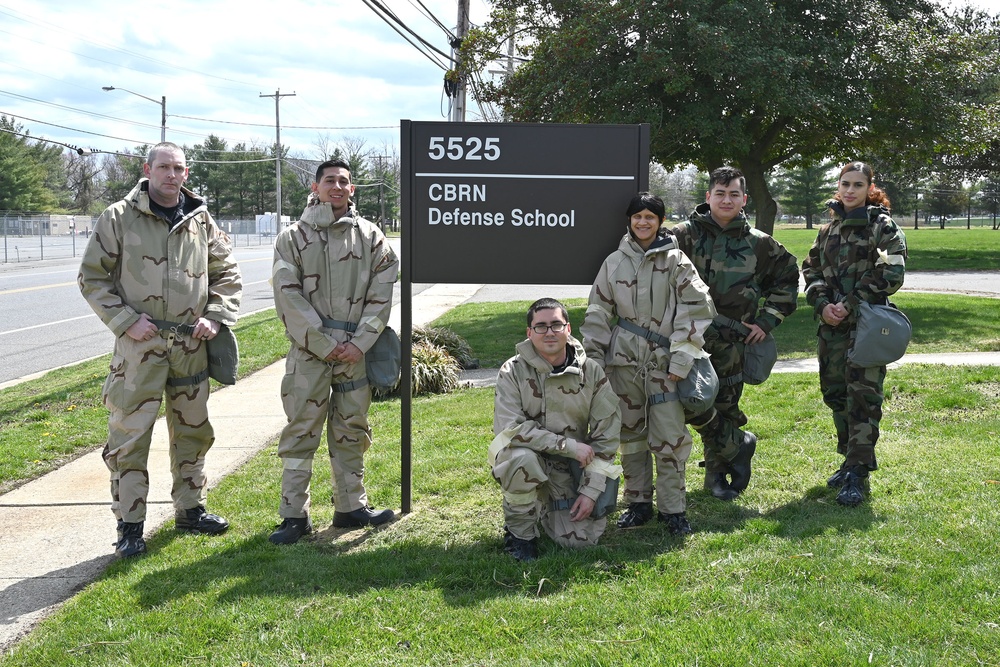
(568, 177)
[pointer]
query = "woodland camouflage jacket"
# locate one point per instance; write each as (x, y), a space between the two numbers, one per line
(741, 266)
(859, 256)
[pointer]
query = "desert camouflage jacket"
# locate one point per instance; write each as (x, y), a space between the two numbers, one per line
(136, 263)
(742, 267)
(334, 269)
(657, 289)
(551, 412)
(860, 256)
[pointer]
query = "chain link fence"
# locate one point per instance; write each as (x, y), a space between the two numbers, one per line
(34, 237)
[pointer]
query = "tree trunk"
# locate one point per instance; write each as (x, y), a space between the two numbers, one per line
(766, 207)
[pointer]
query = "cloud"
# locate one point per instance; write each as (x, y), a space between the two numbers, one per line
(213, 60)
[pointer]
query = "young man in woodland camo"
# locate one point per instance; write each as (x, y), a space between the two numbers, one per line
(754, 284)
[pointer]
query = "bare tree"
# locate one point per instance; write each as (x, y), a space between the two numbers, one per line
(85, 181)
(674, 187)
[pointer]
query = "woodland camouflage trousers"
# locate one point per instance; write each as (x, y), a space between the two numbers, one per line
(854, 394)
(721, 425)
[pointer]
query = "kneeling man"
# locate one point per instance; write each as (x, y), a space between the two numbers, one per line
(555, 414)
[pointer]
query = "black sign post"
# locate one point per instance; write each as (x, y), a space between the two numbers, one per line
(509, 203)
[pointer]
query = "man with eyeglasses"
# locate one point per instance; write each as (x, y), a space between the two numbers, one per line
(556, 422)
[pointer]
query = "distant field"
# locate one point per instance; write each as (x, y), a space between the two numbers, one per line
(929, 248)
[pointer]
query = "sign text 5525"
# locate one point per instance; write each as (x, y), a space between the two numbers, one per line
(464, 148)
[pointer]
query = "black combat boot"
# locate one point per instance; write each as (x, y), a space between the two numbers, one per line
(636, 515)
(522, 550)
(291, 531)
(836, 480)
(197, 520)
(855, 489)
(718, 485)
(677, 524)
(739, 467)
(366, 516)
(130, 542)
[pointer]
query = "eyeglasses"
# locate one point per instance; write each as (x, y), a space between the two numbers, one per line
(555, 326)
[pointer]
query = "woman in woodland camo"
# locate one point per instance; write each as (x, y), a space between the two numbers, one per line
(859, 256)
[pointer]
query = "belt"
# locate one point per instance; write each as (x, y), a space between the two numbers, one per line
(656, 399)
(185, 330)
(344, 387)
(730, 323)
(651, 336)
(175, 327)
(561, 504)
(349, 327)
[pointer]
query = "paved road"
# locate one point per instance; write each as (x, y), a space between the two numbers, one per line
(45, 323)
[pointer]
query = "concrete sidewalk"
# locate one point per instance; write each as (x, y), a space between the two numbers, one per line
(41, 568)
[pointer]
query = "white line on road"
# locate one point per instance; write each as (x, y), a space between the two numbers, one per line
(47, 324)
(33, 289)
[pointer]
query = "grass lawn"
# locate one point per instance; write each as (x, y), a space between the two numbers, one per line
(933, 317)
(929, 249)
(50, 420)
(781, 576)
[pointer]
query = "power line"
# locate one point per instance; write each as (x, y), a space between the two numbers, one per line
(88, 113)
(429, 14)
(73, 129)
(287, 127)
(88, 151)
(45, 141)
(398, 26)
(205, 120)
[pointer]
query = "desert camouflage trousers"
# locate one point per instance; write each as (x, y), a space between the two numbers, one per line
(309, 400)
(854, 394)
(720, 425)
(651, 436)
(531, 483)
(133, 392)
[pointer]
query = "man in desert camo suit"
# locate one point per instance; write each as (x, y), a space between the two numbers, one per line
(553, 407)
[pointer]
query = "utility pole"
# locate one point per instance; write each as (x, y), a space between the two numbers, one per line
(381, 188)
(462, 30)
(163, 118)
(277, 148)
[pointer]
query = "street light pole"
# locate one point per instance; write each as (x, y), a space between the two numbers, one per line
(163, 108)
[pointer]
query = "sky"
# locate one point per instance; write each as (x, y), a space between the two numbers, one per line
(352, 76)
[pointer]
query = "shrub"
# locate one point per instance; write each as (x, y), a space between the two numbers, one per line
(434, 371)
(456, 346)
